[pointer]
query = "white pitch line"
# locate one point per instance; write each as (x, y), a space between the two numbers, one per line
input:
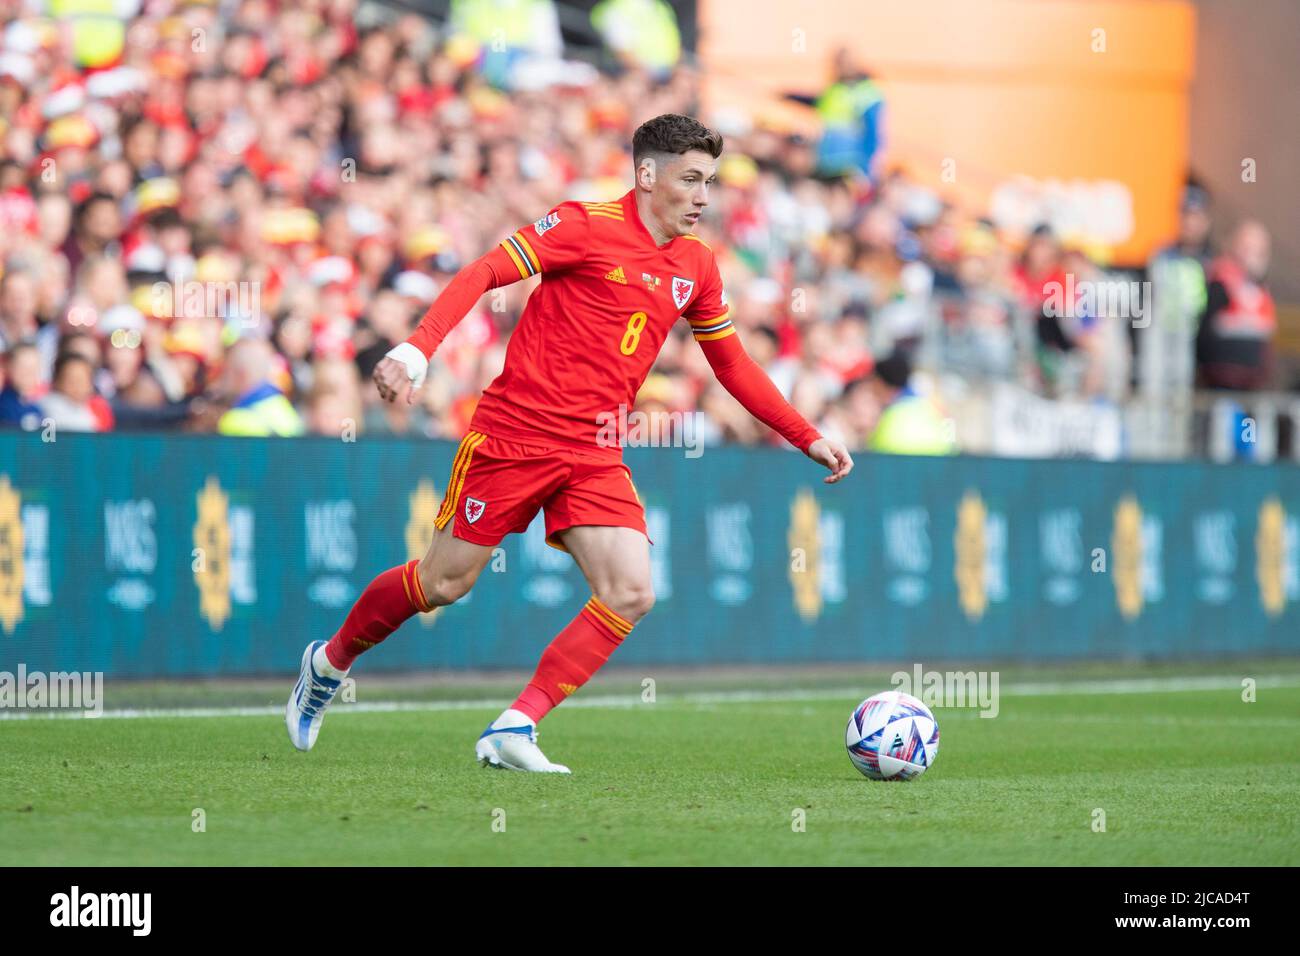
(1147, 685)
(1152, 685)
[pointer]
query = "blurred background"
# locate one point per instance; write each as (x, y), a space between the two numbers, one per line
(1039, 229)
(1052, 241)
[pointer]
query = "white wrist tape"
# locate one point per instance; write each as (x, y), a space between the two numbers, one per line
(417, 366)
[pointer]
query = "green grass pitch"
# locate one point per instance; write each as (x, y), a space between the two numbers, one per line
(1187, 777)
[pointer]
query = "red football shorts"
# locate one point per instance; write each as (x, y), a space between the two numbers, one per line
(497, 487)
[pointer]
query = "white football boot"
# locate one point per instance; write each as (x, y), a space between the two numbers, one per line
(311, 695)
(510, 743)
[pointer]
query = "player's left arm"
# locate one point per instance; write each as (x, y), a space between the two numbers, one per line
(748, 383)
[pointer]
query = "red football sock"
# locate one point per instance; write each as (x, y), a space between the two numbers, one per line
(568, 662)
(386, 602)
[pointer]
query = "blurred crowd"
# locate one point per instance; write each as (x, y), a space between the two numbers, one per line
(222, 215)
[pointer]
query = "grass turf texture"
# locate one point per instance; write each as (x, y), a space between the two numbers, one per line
(1184, 778)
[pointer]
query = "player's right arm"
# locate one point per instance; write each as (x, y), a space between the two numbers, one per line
(556, 241)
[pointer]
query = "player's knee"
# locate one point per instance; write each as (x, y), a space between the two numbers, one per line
(629, 600)
(442, 588)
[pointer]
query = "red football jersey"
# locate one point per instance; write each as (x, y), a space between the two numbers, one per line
(592, 329)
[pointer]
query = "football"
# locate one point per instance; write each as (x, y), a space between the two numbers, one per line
(892, 736)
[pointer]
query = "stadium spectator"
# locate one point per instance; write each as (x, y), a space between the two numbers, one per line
(856, 412)
(643, 34)
(334, 406)
(131, 379)
(18, 320)
(908, 423)
(143, 405)
(67, 404)
(20, 398)
(851, 110)
(974, 333)
(1098, 329)
(96, 228)
(1166, 347)
(1234, 344)
(258, 407)
(88, 347)
(1041, 271)
(516, 43)
(341, 161)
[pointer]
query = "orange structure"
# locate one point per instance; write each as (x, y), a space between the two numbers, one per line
(1016, 107)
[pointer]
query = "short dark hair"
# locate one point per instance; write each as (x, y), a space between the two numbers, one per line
(89, 203)
(67, 359)
(767, 332)
(895, 370)
(674, 134)
(23, 345)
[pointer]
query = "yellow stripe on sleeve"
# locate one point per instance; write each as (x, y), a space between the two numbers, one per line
(710, 336)
(532, 256)
(514, 256)
(704, 323)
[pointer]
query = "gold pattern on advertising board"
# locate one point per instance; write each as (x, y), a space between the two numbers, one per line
(11, 556)
(212, 543)
(804, 539)
(1126, 557)
(970, 546)
(1270, 551)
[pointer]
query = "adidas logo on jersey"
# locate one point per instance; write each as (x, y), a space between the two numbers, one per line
(616, 275)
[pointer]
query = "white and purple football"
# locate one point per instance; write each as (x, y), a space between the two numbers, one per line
(892, 736)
